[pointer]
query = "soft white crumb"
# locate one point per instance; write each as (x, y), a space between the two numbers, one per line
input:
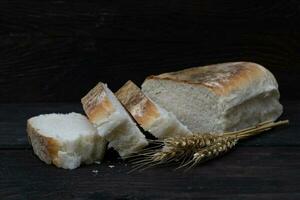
(95, 171)
(97, 162)
(111, 166)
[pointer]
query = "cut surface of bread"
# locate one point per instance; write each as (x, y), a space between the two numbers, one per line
(112, 121)
(217, 98)
(65, 140)
(149, 115)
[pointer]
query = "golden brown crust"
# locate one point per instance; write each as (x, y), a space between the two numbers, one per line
(220, 78)
(46, 148)
(141, 108)
(96, 104)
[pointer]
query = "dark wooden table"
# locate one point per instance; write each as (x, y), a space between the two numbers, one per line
(265, 167)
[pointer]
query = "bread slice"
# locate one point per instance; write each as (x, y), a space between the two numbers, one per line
(112, 121)
(149, 115)
(66, 140)
(217, 98)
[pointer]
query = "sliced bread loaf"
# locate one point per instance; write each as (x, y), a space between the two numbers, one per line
(112, 121)
(65, 140)
(149, 115)
(217, 98)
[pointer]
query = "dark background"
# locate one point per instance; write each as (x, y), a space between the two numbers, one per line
(55, 51)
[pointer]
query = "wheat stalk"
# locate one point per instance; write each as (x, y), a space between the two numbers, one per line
(197, 148)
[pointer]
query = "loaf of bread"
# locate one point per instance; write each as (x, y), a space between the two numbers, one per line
(217, 98)
(112, 121)
(149, 115)
(65, 140)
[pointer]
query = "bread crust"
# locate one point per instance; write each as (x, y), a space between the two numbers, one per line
(219, 78)
(46, 148)
(140, 107)
(96, 104)
(115, 125)
(215, 92)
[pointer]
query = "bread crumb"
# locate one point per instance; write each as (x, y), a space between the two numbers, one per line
(111, 166)
(97, 162)
(95, 171)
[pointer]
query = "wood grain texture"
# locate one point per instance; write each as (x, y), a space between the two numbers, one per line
(57, 50)
(140, 19)
(245, 173)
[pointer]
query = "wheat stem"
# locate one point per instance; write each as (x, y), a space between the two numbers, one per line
(255, 130)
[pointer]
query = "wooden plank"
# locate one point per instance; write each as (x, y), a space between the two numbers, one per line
(39, 69)
(13, 124)
(245, 173)
(47, 69)
(163, 20)
(46, 47)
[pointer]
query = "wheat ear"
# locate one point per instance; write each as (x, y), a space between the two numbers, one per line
(197, 148)
(222, 145)
(179, 148)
